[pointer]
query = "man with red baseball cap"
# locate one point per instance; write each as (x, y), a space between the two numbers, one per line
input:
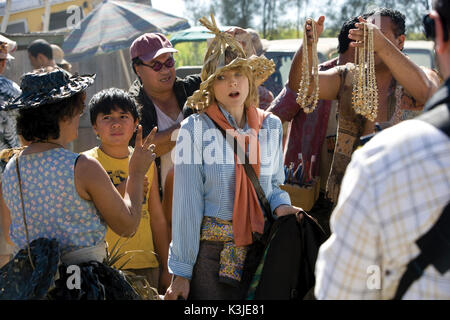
(160, 94)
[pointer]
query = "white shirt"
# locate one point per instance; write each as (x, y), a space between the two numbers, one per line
(165, 122)
(393, 192)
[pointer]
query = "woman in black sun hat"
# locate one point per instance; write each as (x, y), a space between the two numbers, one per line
(58, 203)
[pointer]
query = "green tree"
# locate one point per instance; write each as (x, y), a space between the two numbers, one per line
(238, 12)
(413, 10)
(272, 14)
(195, 9)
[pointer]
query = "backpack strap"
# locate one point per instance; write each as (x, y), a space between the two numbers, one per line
(438, 110)
(435, 244)
(435, 250)
(251, 175)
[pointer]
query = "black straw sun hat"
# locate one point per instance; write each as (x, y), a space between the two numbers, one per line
(39, 88)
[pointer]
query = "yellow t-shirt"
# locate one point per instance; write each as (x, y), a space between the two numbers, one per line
(117, 170)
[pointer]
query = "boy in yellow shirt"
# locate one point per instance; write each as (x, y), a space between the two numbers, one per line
(114, 118)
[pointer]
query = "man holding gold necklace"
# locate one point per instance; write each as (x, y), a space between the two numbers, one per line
(402, 87)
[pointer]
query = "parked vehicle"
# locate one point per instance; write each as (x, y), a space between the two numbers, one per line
(282, 53)
(196, 37)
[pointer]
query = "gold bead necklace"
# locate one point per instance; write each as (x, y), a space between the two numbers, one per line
(365, 91)
(306, 102)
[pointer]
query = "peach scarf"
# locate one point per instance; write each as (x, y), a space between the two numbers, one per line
(247, 214)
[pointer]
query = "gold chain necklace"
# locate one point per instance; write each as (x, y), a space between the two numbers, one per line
(365, 91)
(306, 102)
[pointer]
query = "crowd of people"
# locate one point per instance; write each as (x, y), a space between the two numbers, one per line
(188, 171)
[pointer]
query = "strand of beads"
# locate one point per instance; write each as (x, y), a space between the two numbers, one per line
(365, 92)
(306, 102)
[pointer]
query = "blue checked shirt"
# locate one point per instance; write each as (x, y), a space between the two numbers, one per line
(393, 192)
(204, 183)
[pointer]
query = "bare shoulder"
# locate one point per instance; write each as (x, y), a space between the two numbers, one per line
(433, 76)
(89, 175)
(87, 164)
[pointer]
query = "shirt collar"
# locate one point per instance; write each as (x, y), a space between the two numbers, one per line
(232, 121)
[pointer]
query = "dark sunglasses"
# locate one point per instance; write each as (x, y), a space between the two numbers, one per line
(428, 25)
(157, 66)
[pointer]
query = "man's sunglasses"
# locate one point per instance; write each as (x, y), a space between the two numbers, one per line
(428, 24)
(157, 66)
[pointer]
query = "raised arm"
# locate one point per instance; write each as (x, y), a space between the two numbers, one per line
(329, 81)
(413, 78)
(92, 182)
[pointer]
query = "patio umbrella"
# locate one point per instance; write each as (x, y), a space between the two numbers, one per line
(113, 25)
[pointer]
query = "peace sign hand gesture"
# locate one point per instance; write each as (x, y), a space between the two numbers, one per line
(143, 154)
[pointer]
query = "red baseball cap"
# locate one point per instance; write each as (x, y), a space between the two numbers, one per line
(149, 46)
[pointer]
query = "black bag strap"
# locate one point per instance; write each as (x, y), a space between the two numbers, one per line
(434, 249)
(250, 173)
(438, 110)
(435, 244)
(23, 209)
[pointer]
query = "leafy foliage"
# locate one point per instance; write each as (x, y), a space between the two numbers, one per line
(413, 10)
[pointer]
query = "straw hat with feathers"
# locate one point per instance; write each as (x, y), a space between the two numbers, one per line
(223, 48)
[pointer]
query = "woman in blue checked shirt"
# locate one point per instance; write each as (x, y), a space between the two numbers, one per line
(215, 207)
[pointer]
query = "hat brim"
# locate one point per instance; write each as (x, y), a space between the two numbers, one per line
(26, 100)
(64, 63)
(261, 68)
(151, 56)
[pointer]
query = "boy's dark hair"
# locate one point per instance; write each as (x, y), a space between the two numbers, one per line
(40, 46)
(42, 123)
(112, 99)
(397, 18)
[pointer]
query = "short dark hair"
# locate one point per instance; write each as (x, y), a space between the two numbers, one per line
(42, 123)
(344, 40)
(112, 99)
(443, 8)
(136, 62)
(40, 46)
(397, 18)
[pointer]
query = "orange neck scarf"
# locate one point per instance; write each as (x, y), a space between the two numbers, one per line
(247, 214)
